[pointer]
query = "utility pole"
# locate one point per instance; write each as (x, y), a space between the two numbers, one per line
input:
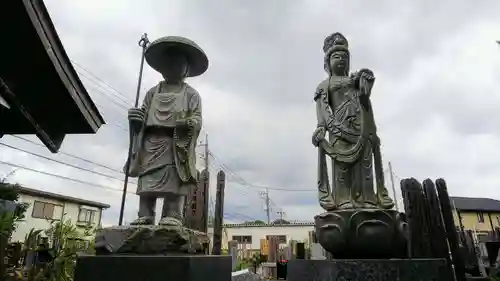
(208, 198)
(206, 188)
(207, 152)
(267, 207)
(281, 213)
(393, 187)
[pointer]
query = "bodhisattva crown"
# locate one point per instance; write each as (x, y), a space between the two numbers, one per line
(335, 42)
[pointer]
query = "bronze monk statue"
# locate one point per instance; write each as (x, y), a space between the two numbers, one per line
(344, 111)
(165, 130)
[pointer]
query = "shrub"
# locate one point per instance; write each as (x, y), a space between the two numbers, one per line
(66, 241)
(8, 222)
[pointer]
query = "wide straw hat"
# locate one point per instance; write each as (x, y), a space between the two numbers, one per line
(158, 49)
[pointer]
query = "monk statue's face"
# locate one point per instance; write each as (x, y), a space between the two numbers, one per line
(176, 66)
(339, 62)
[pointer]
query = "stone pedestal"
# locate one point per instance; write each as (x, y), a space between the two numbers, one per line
(149, 240)
(153, 268)
(372, 270)
(362, 233)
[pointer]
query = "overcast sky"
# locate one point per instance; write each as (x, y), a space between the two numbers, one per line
(436, 95)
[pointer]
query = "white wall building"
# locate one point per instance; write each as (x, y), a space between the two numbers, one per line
(250, 234)
(45, 207)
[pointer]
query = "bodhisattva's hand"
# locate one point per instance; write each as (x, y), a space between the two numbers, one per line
(366, 74)
(366, 81)
(368, 77)
(318, 135)
(349, 82)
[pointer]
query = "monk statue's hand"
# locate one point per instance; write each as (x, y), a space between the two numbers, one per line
(318, 135)
(184, 123)
(136, 117)
(136, 114)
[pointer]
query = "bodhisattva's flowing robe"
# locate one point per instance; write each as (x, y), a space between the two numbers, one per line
(348, 118)
(164, 156)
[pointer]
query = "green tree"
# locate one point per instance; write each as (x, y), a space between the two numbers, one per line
(9, 191)
(280, 221)
(8, 220)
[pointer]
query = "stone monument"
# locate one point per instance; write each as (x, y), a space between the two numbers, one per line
(164, 137)
(365, 236)
(219, 213)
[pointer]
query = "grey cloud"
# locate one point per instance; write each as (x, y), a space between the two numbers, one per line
(266, 61)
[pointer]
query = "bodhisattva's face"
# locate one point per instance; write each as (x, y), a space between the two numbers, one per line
(339, 62)
(176, 66)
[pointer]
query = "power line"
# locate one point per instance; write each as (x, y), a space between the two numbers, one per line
(61, 162)
(240, 215)
(243, 182)
(101, 80)
(71, 155)
(121, 105)
(279, 189)
(119, 96)
(118, 124)
(269, 204)
(228, 170)
(61, 177)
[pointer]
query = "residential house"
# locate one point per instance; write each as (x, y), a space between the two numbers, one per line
(46, 207)
(481, 215)
(249, 235)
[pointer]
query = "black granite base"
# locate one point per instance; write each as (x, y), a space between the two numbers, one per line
(368, 270)
(153, 268)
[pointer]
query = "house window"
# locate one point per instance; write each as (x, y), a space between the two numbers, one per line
(281, 238)
(243, 239)
(43, 210)
(480, 217)
(86, 215)
(482, 237)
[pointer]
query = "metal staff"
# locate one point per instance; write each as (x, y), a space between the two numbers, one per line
(143, 43)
